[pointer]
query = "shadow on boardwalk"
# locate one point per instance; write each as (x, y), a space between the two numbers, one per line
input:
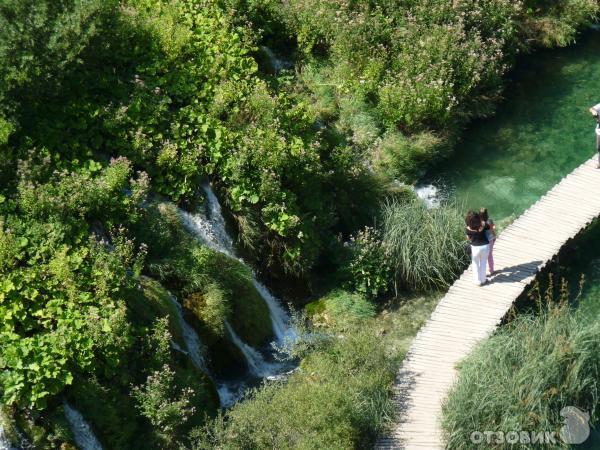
(519, 272)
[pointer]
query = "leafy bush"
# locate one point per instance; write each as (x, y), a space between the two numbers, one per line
(426, 246)
(62, 294)
(166, 409)
(370, 268)
(521, 377)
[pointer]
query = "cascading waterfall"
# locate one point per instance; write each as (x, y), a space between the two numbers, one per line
(277, 64)
(211, 230)
(228, 393)
(279, 317)
(82, 432)
(194, 346)
(256, 363)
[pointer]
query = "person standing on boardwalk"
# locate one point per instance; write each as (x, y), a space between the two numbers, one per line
(595, 110)
(491, 237)
(480, 246)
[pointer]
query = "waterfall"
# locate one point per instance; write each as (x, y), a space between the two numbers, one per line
(277, 64)
(82, 432)
(211, 230)
(257, 365)
(279, 317)
(228, 393)
(194, 346)
(4, 442)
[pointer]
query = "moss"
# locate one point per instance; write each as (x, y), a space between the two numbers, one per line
(152, 302)
(316, 307)
(111, 413)
(7, 424)
(47, 430)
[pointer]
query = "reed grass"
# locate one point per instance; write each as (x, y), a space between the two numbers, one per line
(426, 245)
(523, 376)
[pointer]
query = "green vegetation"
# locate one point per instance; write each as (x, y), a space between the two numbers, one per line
(338, 398)
(112, 113)
(426, 246)
(521, 378)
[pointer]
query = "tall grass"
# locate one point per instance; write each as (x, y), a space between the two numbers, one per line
(427, 246)
(523, 376)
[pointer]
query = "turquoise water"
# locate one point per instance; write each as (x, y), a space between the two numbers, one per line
(539, 134)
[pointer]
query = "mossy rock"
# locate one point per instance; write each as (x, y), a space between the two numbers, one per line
(223, 356)
(153, 301)
(110, 412)
(316, 307)
(246, 310)
(250, 316)
(46, 430)
(8, 425)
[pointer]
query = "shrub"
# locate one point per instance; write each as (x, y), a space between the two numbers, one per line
(426, 246)
(369, 270)
(521, 377)
(165, 408)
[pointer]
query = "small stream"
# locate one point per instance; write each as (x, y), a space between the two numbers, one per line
(82, 431)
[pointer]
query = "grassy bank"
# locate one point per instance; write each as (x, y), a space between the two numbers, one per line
(523, 376)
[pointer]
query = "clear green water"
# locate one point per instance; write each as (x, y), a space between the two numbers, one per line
(539, 134)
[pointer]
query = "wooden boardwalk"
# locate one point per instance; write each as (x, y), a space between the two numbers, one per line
(468, 313)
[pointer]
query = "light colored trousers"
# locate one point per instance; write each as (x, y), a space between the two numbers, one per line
(479, 256)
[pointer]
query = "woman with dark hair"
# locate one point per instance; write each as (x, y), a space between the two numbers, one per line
(491, 237)
(480, 246)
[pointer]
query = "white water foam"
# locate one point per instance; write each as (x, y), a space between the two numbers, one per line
(256, 363)
(429, 194)
(4, 442)
(82, 432)
(195, 349)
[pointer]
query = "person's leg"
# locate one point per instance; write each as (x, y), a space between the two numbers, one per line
(598, 148)
(491, 256)
(484, 252)
(475, 263)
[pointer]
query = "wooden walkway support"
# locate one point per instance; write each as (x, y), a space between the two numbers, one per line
(469, 313)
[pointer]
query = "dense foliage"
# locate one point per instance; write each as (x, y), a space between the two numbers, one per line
(522, 377)
(112, 113)
(399, 79)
